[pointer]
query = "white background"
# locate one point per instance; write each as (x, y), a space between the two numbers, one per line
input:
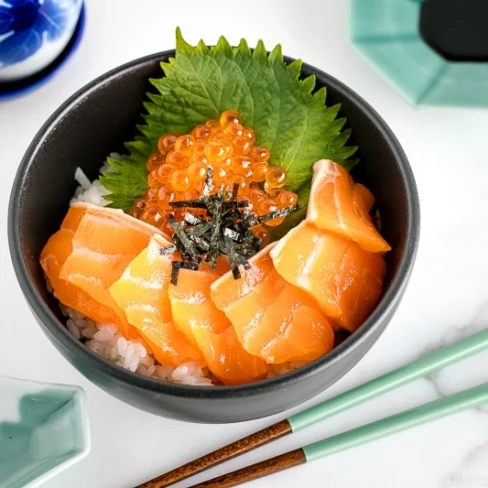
(446, 299)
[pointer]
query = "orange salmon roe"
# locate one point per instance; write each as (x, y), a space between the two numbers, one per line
(177, 172)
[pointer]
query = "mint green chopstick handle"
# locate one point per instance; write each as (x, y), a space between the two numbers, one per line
(416, 369)
(390, 425)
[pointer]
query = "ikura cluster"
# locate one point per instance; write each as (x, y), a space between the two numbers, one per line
(177, 172)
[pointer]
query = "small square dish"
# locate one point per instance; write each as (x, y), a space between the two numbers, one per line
(388, 34)
(43, 430)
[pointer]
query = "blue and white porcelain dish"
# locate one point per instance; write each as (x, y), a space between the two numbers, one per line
(33, 33)
(13, 89)
(43, 430)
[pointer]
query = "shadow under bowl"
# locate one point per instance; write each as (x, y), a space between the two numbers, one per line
(94, 122)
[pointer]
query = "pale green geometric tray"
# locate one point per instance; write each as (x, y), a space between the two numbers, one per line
(386, 33)
(43, 430)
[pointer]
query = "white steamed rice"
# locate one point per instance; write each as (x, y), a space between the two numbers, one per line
(92, 192)
(108, 342)
(105, 340)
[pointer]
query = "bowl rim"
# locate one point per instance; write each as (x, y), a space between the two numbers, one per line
(382, 311)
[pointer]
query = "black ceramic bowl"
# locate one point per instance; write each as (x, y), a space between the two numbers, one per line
(95, 122)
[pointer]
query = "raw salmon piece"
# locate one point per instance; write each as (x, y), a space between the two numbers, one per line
(74, 216)
(345, 280)
(363, 200)
(103, 244)
(52, 259)
(205, 325)
(304, 324)
(272, 318)
(190, 292)
(332, 207)
(142, 293)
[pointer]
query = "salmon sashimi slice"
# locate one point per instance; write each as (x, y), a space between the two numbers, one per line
(333, 206)
(344, 279)
(142, 293)
(272, 318)
(53, 257)
(196, 315)
(74, 216)
(104, 243)
(190, 292)
(363, 200)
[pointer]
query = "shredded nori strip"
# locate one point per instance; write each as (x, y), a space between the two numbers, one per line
(278, 213)
(189, 246)
(177, 265)
(202, 244)
(168, 250)
(199, 203)
(235, 204)
(246, 265)
(200, 229)
(233, 234)
(215, 236)
(191, 219)
(233, 257)
(224, 228)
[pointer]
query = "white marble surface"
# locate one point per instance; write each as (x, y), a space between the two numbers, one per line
(447, 297)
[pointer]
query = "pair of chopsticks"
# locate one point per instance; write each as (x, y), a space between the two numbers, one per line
(410, 418)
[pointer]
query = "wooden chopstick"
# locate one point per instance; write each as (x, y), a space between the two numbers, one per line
(259, 470)
(230, 451)
(369, 432)
(394, 379)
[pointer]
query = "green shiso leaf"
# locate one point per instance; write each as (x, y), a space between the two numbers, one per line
(128, 180)
(288, 116)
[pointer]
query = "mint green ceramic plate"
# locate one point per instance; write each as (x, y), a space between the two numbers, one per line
(43, 430)
(386, 32)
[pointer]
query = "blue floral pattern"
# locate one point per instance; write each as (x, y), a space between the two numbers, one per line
(26, 24)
